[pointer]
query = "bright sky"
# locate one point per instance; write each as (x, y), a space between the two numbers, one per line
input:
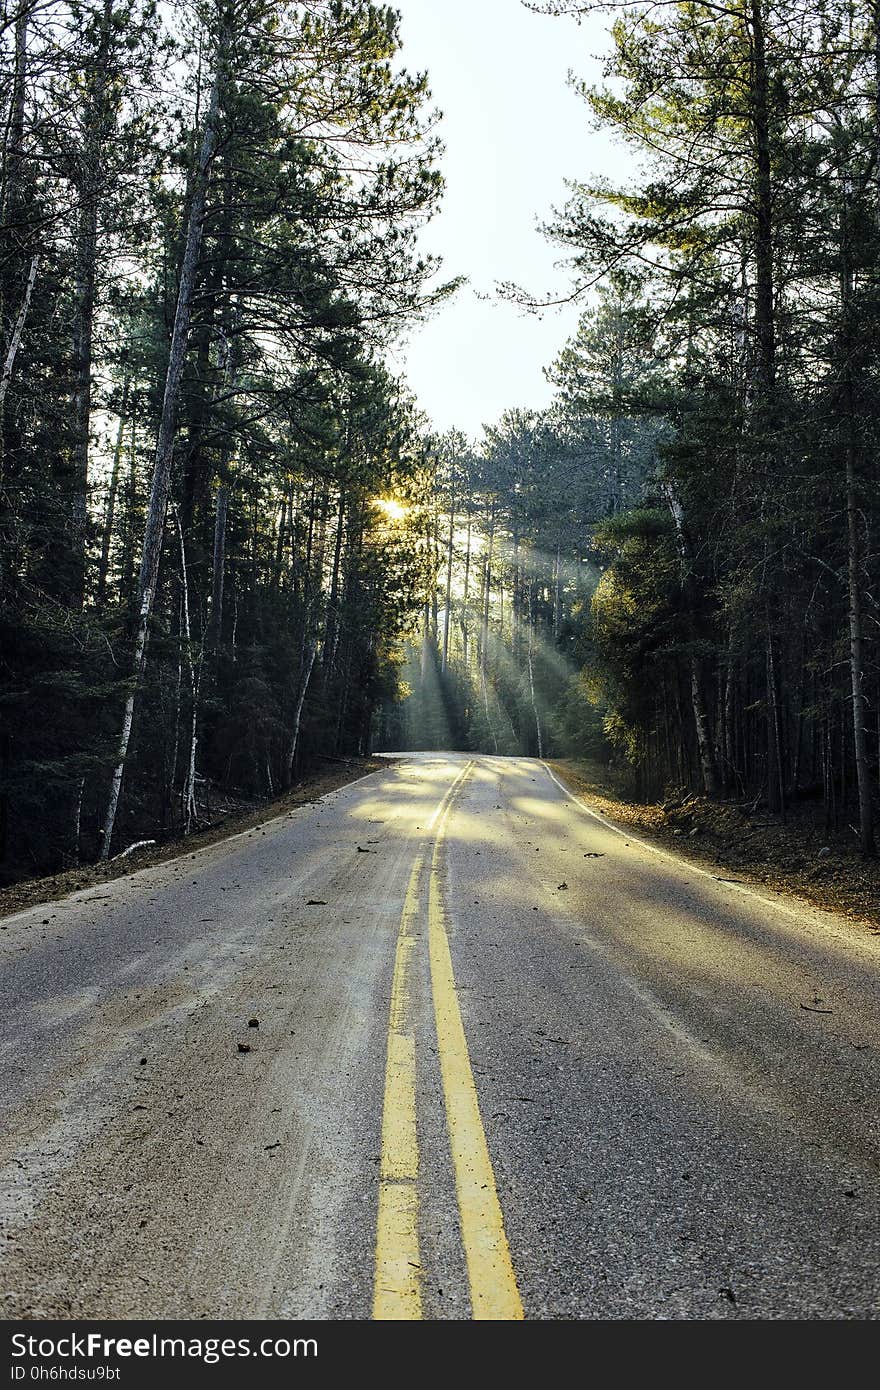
(513, 132)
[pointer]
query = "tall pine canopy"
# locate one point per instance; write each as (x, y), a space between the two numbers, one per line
(229, 542)
(209, 221)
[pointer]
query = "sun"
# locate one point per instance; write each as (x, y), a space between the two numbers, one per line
(391, 508)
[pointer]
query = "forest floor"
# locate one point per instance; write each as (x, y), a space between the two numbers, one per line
(230, 815)
(798, 856)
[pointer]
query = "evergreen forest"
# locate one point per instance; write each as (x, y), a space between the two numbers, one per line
(232, 546)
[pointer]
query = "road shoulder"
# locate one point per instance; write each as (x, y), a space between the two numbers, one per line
(17, 897)
(719, 837)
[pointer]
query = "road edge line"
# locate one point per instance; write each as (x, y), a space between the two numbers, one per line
(745, 889)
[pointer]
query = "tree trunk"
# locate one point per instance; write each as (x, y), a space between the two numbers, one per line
(86, 273)
(854, 551)
(13, 235)
(486, 592)
(448, 609)
(776, 772)
(698, 704)
(305, 677)
(465, 653)
(798, 740)
(856, 657)
(532, 677)
(14, 143)
(484, 646)
(516, 604)
(188, 792)
(126, 567)
(110, 509)
(434, 542)
(15, 339)
(331, 630)
(729, 771)
(77, 818)
(218, 567)
(875, 17)
(701, 725)
(765, 332)
(152, 547)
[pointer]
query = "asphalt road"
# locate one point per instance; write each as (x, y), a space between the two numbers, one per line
(508, 1061)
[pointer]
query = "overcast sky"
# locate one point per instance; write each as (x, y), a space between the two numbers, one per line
(513, 132)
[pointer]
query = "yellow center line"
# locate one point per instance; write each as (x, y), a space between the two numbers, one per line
(494, 1292)
(397, 1286)
(397, 1290)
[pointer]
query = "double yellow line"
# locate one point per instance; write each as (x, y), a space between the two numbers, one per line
(397, 1287)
